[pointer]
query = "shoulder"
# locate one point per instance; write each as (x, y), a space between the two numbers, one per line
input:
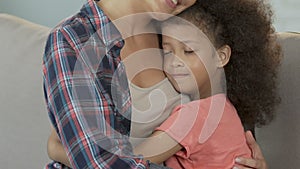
(218, 100)
(75, 27)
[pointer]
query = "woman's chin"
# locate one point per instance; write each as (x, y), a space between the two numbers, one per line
(160, 16)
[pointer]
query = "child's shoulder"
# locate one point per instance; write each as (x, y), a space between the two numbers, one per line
(216, 103)
(215, 100)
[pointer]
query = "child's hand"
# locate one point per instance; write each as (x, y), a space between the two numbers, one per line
(258, 160)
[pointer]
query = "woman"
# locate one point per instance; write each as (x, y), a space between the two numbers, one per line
(85, 83)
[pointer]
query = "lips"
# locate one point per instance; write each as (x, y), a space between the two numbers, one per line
(179, 75)
(172, 3)
(175, 1)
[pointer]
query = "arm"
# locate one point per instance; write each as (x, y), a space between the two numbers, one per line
(158, 147)
(151, 149)
(258, 160)
(155, 154)
(55, 149)
(80, 108)
(166, 140)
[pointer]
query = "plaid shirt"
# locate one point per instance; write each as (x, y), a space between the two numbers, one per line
(87, 93)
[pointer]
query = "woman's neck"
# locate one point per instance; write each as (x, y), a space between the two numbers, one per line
(129, 16)
(143, 60)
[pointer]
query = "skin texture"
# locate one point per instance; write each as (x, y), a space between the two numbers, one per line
(56, 150)
(192, 68)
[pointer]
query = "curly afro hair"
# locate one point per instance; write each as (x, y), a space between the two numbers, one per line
(246, 26)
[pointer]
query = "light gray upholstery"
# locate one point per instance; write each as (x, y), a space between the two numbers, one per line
(24, 124)
(280, 140)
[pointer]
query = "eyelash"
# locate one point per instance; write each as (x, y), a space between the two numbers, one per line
(167, 52)
(186, 52)
(189, 51)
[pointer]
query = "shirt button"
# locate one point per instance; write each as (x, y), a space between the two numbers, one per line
(119, 44)
(57, 165)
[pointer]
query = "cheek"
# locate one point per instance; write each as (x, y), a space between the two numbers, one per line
(165, 66)
(160, 15)
(173, 82)
(166, 63)
(199, 72)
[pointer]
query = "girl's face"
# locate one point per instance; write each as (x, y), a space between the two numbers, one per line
(188, 59)
(172, 7)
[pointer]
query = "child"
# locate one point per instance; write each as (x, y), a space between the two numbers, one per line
(165, 146)
(239, 47)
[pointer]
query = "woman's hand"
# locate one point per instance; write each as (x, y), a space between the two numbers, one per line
(258, 160)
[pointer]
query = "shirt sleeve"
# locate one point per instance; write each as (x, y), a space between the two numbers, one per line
(192, 124)
(81, 110)
(184, 126)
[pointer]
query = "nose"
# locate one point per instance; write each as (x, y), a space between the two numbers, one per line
(176, 61)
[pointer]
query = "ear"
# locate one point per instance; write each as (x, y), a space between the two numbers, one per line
(224, 54)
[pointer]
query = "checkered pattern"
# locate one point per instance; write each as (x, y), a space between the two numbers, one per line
(86, 91)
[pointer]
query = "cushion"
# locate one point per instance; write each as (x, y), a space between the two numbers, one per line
(280, 141)
(24, 124)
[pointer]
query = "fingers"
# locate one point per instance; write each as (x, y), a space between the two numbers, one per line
(250, 163)
(253, 163)
(258, 161)
(255, 149)
(250, 139)
(241, 167)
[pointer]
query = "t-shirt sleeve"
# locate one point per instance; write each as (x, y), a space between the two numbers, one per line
(184, 125)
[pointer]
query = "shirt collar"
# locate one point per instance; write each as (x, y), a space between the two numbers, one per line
(105, 29)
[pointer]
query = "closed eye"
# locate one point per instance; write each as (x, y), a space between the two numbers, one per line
(188, 51)
(167, 52)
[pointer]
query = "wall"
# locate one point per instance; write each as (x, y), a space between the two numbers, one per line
(50, 12)
(287, 14)
(45, 12)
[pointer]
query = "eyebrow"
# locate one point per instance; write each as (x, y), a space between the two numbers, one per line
(190, 41)
(184, 41)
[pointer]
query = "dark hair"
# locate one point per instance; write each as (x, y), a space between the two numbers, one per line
(246, 26)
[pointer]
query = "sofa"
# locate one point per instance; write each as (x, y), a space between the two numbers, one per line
(24, 123)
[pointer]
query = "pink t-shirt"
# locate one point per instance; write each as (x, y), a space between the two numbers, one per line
(210, 132)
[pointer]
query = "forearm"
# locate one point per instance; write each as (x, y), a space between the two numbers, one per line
(149, 149)
(55, 149)
(158, 147)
